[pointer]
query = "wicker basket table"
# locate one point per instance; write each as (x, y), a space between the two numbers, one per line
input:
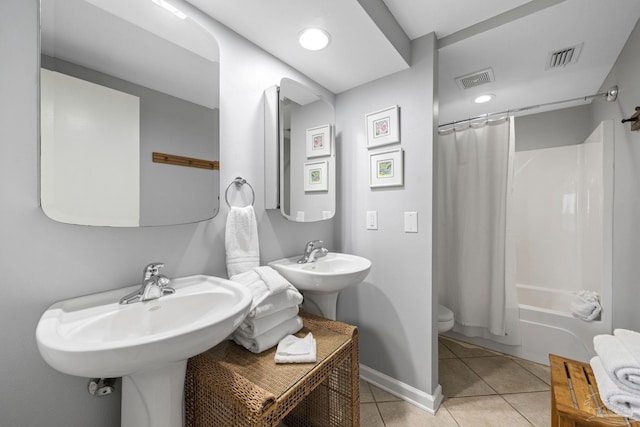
(229, 386)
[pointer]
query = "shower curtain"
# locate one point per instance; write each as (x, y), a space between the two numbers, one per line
(475, 261)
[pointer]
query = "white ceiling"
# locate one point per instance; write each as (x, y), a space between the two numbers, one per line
(513, 37)
(358, 52)
(445, 17)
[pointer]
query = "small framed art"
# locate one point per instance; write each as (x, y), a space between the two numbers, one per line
(319, 141)
(383, 127)
(386, 168)
(315, 176)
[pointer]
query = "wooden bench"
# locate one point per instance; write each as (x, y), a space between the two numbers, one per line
(575, 401)
(230, 386)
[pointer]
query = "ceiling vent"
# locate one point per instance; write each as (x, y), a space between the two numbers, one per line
(563, 57)
(475, 79)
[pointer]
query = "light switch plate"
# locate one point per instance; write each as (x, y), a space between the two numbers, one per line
(411, 222)
(372, 220)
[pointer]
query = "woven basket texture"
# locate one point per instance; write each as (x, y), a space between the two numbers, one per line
(229, 386)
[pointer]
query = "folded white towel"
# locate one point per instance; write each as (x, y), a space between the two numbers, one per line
(630, 375)
(251, 328)
(292, 349)
(620, 402)
(273, 304)
(618, 362)
(264, 283)
(270, 338)
(260, 288)
(586, 305)
(241, 240)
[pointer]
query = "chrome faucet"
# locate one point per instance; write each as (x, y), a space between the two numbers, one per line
(313, 250)
(154, 285)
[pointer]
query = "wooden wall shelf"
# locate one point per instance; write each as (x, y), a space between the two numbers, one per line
(172, 159)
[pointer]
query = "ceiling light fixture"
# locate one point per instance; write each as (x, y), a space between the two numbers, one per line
(314, 39)
(484, 98)
(170, 8)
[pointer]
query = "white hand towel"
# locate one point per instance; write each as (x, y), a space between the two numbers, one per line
(618, 362)
(586, 305)
(292, 349)
(241, 240)
(251, 328)
(270, 338)
(630, 375)
(620, 402)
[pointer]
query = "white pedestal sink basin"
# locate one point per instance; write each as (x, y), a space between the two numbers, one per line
(147, 343)
(322, 280)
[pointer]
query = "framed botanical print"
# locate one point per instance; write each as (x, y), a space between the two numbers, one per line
(383, 127)
(319, 141)
(315, 176)
(386, 168)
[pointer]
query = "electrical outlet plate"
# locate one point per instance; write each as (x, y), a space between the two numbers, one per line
(411, 222)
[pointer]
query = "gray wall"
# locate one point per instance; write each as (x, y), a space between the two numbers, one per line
(393, 307)
(42, 261)
(626, 204)
(567, 126)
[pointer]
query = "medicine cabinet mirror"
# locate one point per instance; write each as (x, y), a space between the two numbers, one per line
(129, 115)
(307, 153)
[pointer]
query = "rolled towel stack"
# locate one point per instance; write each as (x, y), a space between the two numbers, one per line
(273, 313)
(617, 371)
(586, 305)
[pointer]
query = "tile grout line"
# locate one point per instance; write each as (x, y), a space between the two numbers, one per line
(384, 424)
(479, 376)
(516, 409)
(470, 368)
(513, 359)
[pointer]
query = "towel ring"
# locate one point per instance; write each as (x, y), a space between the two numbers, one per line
(239, 182)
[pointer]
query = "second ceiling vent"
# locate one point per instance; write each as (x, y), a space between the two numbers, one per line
(563, 57)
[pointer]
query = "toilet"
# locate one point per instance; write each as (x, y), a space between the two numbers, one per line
(445, 319)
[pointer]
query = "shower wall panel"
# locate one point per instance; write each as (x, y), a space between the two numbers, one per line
(558, 207)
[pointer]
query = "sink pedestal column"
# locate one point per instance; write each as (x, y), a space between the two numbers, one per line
(153, 397)
(321, 304)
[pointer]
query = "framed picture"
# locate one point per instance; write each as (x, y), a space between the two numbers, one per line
(319, 141)
(386, 168)
(383, 127)
(315, 176)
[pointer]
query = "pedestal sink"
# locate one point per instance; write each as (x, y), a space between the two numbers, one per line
(322, 280)
(147, 343)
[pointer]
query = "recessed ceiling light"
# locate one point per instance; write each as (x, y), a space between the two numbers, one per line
(314, 39)
(171, 8)
(484, 98)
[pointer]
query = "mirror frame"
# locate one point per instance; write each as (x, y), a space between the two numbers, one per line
(281, 150)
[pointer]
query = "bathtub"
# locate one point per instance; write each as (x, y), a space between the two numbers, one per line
(546, 325)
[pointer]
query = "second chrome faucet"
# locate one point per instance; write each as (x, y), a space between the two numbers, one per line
(313, 250)
(154, 285)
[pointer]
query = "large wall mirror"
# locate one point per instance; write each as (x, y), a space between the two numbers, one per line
(129, 123)
(307, 154)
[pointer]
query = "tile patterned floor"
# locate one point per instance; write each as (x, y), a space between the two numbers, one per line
(481, 388)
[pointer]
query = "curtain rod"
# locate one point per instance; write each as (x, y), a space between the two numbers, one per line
(611, 95)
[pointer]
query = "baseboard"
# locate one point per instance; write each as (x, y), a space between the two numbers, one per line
(419, 398)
